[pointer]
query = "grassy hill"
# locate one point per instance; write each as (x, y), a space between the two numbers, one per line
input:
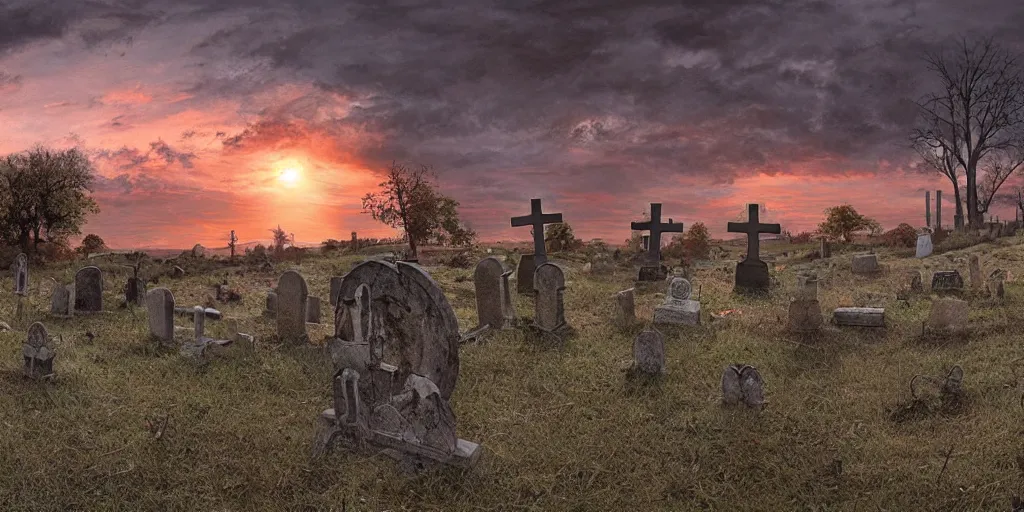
(562, 429)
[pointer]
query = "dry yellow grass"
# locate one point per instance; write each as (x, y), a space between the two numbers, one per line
(562, 429)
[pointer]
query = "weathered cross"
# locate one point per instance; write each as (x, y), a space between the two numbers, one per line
(656, 227)
(537, 220)
(753, 228)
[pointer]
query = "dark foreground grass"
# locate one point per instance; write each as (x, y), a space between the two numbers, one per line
(129, 427)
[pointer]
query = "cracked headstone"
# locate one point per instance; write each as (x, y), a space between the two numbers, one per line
(549, 305)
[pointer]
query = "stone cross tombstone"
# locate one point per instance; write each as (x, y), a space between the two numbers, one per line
(62, 303)
(89, 289)
(804, 309)
(524, 274)
(649, 353)
(313, 310)
(21, 275)
(38, 353)
(742, 384)
(946, 281)
(948, 314)
(678, 308)
(394, 372)
(335, 288)
(135, 291)
(160, 313)
(489, 281)
(537, 219)
(752, 273)
(652, 269)
(549, 306)
(625, 311)
(977, 279)
(292, 293)
(924, 245)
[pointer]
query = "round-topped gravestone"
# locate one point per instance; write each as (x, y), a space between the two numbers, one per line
(291, 307)
(89, 289)
(679, 289)
(21, 274)
(649, 352)
(489, 296)
(410, 316)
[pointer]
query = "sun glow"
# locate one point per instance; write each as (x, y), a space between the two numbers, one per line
(289, 176)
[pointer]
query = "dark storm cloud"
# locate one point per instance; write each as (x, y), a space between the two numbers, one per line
(622, 93)
(27, 21)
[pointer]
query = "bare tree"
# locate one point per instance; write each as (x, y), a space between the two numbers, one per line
(977, 119)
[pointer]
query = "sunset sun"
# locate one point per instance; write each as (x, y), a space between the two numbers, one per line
(289, 176)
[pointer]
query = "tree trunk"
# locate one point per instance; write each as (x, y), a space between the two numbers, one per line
(405, 223)
(959, 203)
(975, 218)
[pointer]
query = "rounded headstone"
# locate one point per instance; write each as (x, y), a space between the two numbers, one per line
(411, 316)
(89, 289)
(679, 289)
(649, 352)
(291, 307)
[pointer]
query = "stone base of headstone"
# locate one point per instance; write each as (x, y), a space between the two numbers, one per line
(555, 336)
(360, 440)
(38, 363)
(651, 273)
(805, 315)
(752, 277)
(859, 317)
(684, 312)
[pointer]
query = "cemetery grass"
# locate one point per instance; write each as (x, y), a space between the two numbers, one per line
(127, 426)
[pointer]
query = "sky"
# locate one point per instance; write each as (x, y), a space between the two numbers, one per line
(207, 116)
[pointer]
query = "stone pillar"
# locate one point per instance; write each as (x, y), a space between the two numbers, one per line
(928, 208)
(938, 209)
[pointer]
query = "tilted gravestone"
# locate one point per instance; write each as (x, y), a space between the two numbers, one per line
(313, 310)
(537, 219)
(752, 273)
(396, 363)
(977, 279)
(524, 274)
(21, 274)
(160, 313)
(649, 353)
(804, 309)
(996, 279)
(625, 311)
(948, 281)
(678, 308)
(549, 306)
(63, 301)
(292, 293)
(652, 269)
(489, 281)
(742, 384)
(38, 352)
(89, 289)
(913, 281)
